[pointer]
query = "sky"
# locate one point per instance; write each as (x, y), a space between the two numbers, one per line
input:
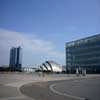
(42, 27)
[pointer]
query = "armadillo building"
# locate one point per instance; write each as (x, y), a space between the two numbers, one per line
(84, 53)
(50, 66)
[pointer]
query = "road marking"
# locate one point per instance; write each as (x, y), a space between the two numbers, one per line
(64, 94)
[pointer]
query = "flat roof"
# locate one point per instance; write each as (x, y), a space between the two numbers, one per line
(90, 38)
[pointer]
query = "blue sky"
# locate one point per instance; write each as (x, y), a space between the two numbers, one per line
(42, 27)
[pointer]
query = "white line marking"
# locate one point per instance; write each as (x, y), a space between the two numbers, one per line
(64, 94)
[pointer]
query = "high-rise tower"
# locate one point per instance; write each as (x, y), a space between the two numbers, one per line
(15, 63)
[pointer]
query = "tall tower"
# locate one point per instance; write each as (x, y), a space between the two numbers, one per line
(15, 63)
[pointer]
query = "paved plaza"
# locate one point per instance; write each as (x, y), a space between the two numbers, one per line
(25, 86)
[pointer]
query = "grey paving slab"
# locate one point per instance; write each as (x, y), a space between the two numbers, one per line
(11, 82)
(8, 91)
(85, 88)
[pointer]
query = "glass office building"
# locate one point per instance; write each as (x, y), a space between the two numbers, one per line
(15, 59)
(84, 53)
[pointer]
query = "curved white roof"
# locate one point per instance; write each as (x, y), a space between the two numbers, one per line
(51, 66)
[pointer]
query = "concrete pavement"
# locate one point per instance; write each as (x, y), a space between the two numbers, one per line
(79, 89)
(11, 82)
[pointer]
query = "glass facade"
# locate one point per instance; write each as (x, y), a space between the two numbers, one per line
(84, 53)
(15, 59)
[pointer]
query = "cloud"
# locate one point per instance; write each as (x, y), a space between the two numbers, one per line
(32, 45)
